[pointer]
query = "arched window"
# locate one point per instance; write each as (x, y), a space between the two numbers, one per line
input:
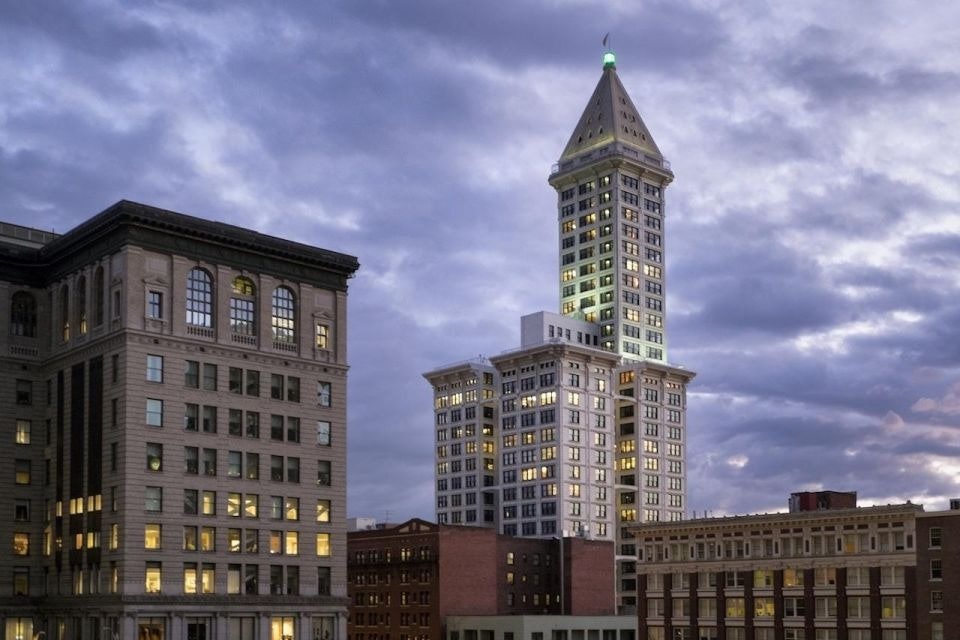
(81, 309)
(243, 316)
(65, 312)
(23, 315)
(283, 312)
(98, 297)
(199, 298)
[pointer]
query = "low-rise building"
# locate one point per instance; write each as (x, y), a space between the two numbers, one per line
(842, 573)
(404, 581)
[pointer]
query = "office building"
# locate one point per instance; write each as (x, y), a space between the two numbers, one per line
(581, 431)
(173, 412)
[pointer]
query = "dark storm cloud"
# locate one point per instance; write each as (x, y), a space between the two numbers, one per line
(419, 136)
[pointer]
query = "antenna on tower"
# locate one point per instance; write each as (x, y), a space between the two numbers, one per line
(609, 57)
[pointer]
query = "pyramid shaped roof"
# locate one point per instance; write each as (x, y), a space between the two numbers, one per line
(610, 116)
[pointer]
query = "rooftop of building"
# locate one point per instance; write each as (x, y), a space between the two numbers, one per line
(736, 521)
(127, 222)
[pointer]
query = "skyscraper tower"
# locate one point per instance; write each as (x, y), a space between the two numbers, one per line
(610, 182)
(582, 430)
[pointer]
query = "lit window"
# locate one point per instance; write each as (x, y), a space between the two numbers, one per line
(282, 315)
(21, 544)
(243, 307)
(323, 545)
(152, 578)
(23, 432)
(323, 511)
(151, 536)
(323, 336)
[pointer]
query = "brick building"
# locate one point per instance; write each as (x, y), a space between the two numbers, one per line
(404, 580)
(172, 413)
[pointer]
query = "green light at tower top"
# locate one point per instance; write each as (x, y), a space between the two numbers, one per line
(609, 59)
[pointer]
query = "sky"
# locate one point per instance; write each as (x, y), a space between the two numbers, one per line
(812, 230)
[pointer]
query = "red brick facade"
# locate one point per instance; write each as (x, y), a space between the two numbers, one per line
(403, 581)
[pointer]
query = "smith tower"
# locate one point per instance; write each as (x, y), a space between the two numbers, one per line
(610, 182)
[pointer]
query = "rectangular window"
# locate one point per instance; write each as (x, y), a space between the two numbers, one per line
(323, 433)
(276, 386)
(154, 368)
(191, 460)
(155, 305)
(323, 336)
(209, 419)
(323, 545)
(209, 462)
(253, 383)
(154, 456)
(154, 412)
(152, 578)
(253, 466)
(210, 377)
(24, 392)
(293, 389)
(293, 469)
(22, 435)
(153, 499)
(191, 417)
(191, 374)
(235, 380)
(324, 394)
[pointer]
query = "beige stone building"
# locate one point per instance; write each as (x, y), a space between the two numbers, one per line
(173, 417)
(826, 574)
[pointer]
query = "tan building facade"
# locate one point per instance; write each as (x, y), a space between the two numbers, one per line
(833, 574)
(177, 424)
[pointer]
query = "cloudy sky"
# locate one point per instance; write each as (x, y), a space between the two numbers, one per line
(813, 232)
